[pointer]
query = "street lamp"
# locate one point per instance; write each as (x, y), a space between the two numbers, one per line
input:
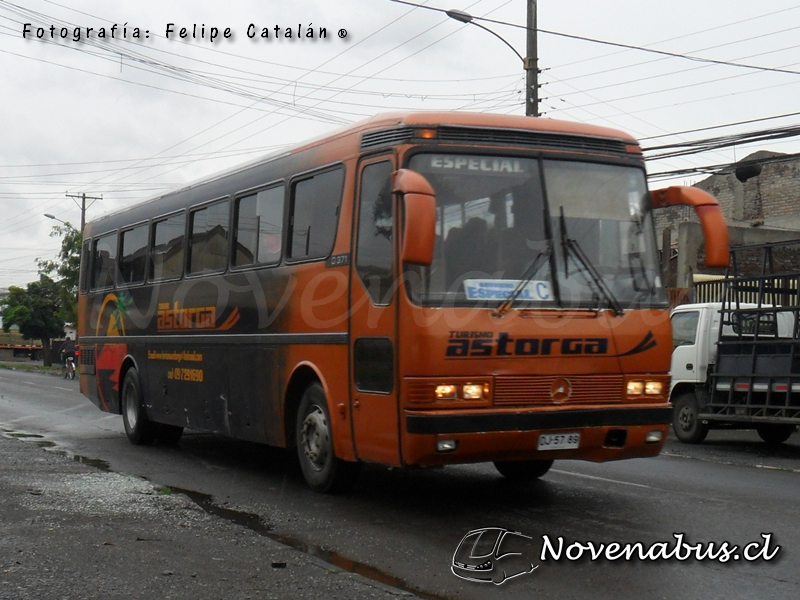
(55, 218)
(529, 63)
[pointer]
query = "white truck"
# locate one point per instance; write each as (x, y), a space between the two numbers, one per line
(747, 377)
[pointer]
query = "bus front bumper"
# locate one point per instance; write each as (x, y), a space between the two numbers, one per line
(605, 434)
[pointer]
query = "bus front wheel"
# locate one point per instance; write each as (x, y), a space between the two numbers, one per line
(323, 471)
(140, 430)
(523, 470)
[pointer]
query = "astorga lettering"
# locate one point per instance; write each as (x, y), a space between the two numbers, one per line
(175, 317)
(460, 346)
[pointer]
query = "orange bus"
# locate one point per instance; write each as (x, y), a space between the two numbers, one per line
(414, 290)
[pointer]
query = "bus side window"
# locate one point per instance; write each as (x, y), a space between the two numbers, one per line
(85, 261)
(315, 214)
(208, 244)
(166, 250)
(133, 255)
(104, 260)
(374, 252)
(258, 229)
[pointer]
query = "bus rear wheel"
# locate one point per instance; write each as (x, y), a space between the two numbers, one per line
(523, 470)
(775, 434)
(323, 471)
(140, 430)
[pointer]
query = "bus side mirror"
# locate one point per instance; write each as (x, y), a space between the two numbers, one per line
(419, 216)
(715, 230)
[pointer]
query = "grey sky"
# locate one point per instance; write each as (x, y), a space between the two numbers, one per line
(127, 118)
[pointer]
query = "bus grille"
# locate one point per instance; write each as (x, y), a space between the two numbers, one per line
(87, 356)
(535, 389)
(533, 139)
(386, 137)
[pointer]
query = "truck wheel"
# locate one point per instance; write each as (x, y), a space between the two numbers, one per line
(140, 430)
(323, 471)
(523, 470)
(775, 434)
(685, 420)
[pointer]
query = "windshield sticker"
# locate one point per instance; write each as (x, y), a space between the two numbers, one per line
(502, 289)
(478, 164)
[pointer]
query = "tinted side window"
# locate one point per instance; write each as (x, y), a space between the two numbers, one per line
(259, 227)
(374, 252)
(104, 260)
(315, 212)
(166, 255)
(133, 259)
(86, 259)
(208, 244)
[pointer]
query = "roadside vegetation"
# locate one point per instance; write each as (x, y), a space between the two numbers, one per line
(27, 365)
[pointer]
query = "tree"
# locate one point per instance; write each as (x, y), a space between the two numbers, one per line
(36, 310)
(67, 266)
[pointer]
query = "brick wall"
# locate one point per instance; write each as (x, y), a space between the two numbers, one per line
(769, 201)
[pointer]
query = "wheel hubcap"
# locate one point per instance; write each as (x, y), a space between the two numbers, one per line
(686, 418)
(130, 407)
(316, 438)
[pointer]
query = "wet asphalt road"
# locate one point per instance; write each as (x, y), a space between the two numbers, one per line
(402, 527)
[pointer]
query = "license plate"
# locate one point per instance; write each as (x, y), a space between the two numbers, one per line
(559, 441)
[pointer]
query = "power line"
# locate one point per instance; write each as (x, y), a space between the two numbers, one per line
(618, 44)
(695, 147)
(699, 129)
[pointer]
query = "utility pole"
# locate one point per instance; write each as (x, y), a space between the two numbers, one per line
(83, 197)
(532, 65)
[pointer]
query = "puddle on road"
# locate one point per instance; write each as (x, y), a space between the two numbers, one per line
(93, 462)
(253, 522)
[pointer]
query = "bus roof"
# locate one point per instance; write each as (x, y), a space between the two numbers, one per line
(409, 119)
(468, 119)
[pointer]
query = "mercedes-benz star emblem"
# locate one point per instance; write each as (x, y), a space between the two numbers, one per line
(561, 390)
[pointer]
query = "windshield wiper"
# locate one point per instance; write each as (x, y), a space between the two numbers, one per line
(570, 245)
(524, 280)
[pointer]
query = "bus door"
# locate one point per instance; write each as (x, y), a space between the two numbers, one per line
(373, 331)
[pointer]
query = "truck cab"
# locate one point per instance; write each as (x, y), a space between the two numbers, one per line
(695, 329)
(747, 385)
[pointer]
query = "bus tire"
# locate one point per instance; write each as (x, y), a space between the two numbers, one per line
(140, 430)
(686, 423)
(523, 470)
(322, 470)
(775, 434)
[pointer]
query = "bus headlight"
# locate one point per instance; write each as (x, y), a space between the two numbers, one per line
(647, 388)
(473, 391)
(446, 392)
(466, 391)
(653, 388)
(635, 388)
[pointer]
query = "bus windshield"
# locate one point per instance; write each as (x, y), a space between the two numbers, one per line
(554, 233)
